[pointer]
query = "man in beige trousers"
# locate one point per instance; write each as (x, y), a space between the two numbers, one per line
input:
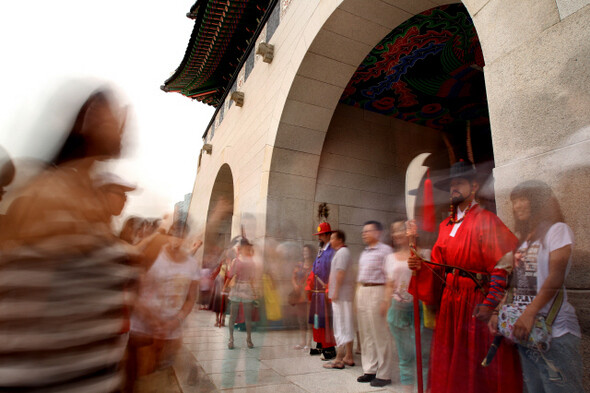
(377, 354)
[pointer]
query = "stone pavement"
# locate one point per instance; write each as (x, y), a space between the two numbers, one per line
(205, 364)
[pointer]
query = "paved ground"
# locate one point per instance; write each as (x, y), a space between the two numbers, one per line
(206, 365)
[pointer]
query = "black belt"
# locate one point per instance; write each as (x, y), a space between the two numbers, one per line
(480, 279)
(371, 284)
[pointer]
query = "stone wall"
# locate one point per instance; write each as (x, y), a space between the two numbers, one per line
(362, 169)
(537, 78)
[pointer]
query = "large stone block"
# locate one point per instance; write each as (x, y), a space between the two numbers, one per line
(340, 48)
(413, 6)
(286, 218)
(358, 216)
(377, 11)
(473, 6)
(323, 68)
(294, 162)
(337, 195)
(355, 27)
(283, 184)
(306, 115)
(300, 138)
(315, 92)
(538, 102)
(338, 161)
(503, 26)
(568, 7)
(377, 201)
(352, 180)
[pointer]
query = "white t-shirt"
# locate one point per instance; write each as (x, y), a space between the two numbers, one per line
(164, 290)
(398, 271)
(531, 270)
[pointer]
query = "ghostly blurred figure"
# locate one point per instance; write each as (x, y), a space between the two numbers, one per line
(167, 294)
(62, 270)
(6, 170)
(219, 295)
(131, 231)
(298, 297)
(115, 191)
(243, 291)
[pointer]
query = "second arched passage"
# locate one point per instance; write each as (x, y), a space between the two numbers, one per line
(217, 237)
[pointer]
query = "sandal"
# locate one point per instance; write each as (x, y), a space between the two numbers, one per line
(351, 364)
(338, 366)
(230, 344)
(249, 344)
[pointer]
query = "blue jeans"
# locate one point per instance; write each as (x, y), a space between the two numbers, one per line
(558, 370)
(401, 324)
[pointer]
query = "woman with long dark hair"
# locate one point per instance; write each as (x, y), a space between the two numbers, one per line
(65, 264)
(542, 261)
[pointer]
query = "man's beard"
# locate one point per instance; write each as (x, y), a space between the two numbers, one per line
(456, 199)
(322, 243)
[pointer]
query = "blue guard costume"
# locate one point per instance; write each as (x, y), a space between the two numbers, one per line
(320, 311)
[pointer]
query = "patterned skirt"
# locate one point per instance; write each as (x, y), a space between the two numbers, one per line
(242, 291)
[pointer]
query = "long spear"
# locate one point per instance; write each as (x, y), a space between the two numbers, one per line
(414, 175)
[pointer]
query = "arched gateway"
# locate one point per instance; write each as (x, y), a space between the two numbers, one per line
(295, 134)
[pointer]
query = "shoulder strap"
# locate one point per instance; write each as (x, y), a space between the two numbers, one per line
(555, 307)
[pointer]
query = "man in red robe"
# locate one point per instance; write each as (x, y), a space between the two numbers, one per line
(476, 241)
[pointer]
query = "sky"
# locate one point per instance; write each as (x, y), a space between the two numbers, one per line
(135, 45)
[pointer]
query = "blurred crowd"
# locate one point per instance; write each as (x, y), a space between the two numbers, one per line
(87, 307)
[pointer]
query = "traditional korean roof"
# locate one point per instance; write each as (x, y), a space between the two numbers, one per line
(221, 35)
(427, 71)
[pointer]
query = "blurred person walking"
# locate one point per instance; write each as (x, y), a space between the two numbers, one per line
(7, 170)
(341, 293)
(543, 260)
(63, 270)
(398, 305)
(219, 295)
(298, 298)
(131, 230)
(377, 355)
(243, 291)
(167, 294)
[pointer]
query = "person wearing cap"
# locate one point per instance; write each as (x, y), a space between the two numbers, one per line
(474, 256)
(62, 257)
(115, 190)
(377, 355)
(320, 309)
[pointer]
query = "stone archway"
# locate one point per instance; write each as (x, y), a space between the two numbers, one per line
(351, 31)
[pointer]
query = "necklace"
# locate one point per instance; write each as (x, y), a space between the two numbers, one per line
(453, 218)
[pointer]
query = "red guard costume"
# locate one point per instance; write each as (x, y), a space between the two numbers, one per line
(461, 341)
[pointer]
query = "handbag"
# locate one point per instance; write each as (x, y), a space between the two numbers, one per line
(540, 336)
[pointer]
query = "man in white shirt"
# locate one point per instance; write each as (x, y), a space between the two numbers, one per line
(341, 292)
